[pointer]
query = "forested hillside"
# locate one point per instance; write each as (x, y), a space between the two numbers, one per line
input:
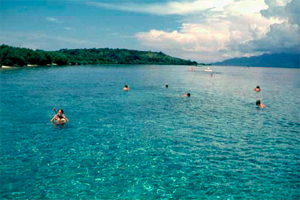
(15, 56)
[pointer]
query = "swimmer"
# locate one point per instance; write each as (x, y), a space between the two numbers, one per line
(166, 85)
(257, 89)
(211, 75)
(59, 116)
(260, 104)
(187, 94)
(126, 87)
(192, 69)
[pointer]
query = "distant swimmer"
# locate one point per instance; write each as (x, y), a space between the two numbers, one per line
(167, 86)
(192, 69)
(126, 87)
(187, 94)
(59, 117)
(260, 104)
(211, 75)
(257, 89)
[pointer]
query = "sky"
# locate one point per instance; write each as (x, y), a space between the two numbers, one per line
(201, 30)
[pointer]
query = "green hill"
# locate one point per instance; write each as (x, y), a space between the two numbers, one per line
(15, 56)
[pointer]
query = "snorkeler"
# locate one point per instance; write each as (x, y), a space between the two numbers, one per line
(187, 94)
(257, 89)
(260, 104)
(59, 116)
(126, 87)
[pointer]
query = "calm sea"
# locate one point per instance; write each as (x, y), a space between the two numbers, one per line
(150, 142)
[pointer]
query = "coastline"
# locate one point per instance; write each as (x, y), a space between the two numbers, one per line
(107, 64)
(8, 67)
(16, 56)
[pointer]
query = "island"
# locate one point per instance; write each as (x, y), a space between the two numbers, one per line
(20, 57)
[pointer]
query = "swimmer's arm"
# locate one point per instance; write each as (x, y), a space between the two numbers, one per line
(53, 118)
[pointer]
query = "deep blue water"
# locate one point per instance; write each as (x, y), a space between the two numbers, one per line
(150, 142)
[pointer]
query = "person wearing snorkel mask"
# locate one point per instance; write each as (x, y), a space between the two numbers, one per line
(59, 116)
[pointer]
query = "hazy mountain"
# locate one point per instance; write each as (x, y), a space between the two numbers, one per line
(265, 60)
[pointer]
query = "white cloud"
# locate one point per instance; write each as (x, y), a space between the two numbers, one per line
(216, 38)
(52, 19)
(293, 11)
(246, 7)
(191, 37)
(214, 30)
(288, 10)
(283, 37)
(239, 30)
(167, 8)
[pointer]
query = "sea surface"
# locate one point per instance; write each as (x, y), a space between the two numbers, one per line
(150, 142)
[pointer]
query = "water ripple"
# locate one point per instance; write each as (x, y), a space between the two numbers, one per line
(151, 142)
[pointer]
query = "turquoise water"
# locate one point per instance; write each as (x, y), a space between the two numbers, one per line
(150, 142)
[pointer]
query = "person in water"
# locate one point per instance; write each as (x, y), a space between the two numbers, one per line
(126, 87)
(187, 94)
(167, 86)
(59, 116)
(260, 104)
(257, 89)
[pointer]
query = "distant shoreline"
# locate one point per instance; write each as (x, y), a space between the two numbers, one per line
(282, 60)
(17, 67)
(22, 57)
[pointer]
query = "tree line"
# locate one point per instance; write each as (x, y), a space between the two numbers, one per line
(16, 56)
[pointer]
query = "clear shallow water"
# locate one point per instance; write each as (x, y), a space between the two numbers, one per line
(150, 142)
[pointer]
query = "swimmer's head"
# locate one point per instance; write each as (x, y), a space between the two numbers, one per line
(187, 94)
(166, 86)
(258, 87)
(258, 102)
(60, 111)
